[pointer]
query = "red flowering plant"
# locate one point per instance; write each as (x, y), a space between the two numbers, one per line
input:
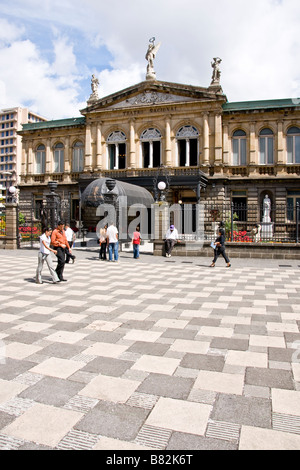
(29, 232)
(241, 236)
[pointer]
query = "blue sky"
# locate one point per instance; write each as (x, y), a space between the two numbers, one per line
(50, 49)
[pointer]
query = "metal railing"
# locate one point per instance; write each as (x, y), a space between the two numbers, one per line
(241, 222)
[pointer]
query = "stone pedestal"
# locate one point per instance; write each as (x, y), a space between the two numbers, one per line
(266, 231)
(11, 214)
(160, 225)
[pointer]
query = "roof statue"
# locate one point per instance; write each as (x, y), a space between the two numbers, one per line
(216, 71)
(94, 85)
(150, 56)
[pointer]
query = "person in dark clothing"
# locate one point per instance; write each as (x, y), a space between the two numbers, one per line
(220, 249)
(60, 243)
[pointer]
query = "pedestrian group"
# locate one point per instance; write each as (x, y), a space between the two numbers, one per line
(61, 240)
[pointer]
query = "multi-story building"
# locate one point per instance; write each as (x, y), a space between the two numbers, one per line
(244, 151)
(11, 121)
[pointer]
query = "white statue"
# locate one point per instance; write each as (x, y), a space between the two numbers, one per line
(216, 71)
(94, 85)
(267, 209)
(150, 56)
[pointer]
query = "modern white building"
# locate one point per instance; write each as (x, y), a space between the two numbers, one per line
(11, 120)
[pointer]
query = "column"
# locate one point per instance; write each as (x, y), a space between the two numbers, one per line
(280, 145)
(67, 155)
(132, 157)
(88, 149)
(225, 146)
(116, 167)
(99, 147)
(187, 151)
(48, 163)
(218, 139)
(151, 154)
(24, 159)
(253, 147)
(205, 140)
(168, 143)
(30, 158)
(253, 151)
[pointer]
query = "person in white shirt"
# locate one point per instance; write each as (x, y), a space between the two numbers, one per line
(70, 237)
(171, 239)
(113, 242)
(45, 255)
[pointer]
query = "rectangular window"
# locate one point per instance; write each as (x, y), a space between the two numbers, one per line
(293, 198)
(193, 152)
(235, 148)
(297, 149)
(243, 152)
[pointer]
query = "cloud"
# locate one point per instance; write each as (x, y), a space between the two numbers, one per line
(51, 89)
(258, 42)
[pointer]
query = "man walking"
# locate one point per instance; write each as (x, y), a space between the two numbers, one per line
(70, 237)
(60, 243)
(113, 242)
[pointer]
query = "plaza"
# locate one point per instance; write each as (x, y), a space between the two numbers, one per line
(150, 354)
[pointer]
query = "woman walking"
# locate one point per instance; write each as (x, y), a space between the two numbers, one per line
(220, 249)
(136, 241)
(45, 255)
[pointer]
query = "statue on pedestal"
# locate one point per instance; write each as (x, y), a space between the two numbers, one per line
(94, 85)
(150, 56)
(267, 209)
(266, 225)
(216, 71)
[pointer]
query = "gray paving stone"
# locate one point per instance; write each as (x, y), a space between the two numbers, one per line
(247, 411)
(185, 442)
(113, 420)
(203, 362)
(12, 368)
(52, 391)
(153, 349)
(62, 350)
(273, 378)
(230, 344)
(108, 366)
(167, 386)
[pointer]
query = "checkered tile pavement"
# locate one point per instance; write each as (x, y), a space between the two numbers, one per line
(149, 354)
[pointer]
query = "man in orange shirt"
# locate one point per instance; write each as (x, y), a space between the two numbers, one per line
(60, 242)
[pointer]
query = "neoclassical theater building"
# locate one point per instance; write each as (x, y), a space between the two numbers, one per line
(229, 151)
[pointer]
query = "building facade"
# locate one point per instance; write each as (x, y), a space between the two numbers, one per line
(11, 121)
(204, 146)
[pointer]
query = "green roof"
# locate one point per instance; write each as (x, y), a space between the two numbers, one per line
(52, 124)
(264, 104)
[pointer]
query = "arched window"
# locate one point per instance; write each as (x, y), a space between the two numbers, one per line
(40, 160)
(293, 145)
(239, 148)
(59, 158)
(116, 145)
(77, 158)
(187, 144)
(266, 147)
(151, 148)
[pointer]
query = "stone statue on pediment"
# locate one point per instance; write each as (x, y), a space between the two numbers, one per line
(150, 56)
(94, 85)
(216, 71)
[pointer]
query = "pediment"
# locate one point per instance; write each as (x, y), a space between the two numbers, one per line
(150, 98)
(154, 93)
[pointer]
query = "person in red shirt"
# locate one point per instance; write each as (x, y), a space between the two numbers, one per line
(60, 243)
(136, 240)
